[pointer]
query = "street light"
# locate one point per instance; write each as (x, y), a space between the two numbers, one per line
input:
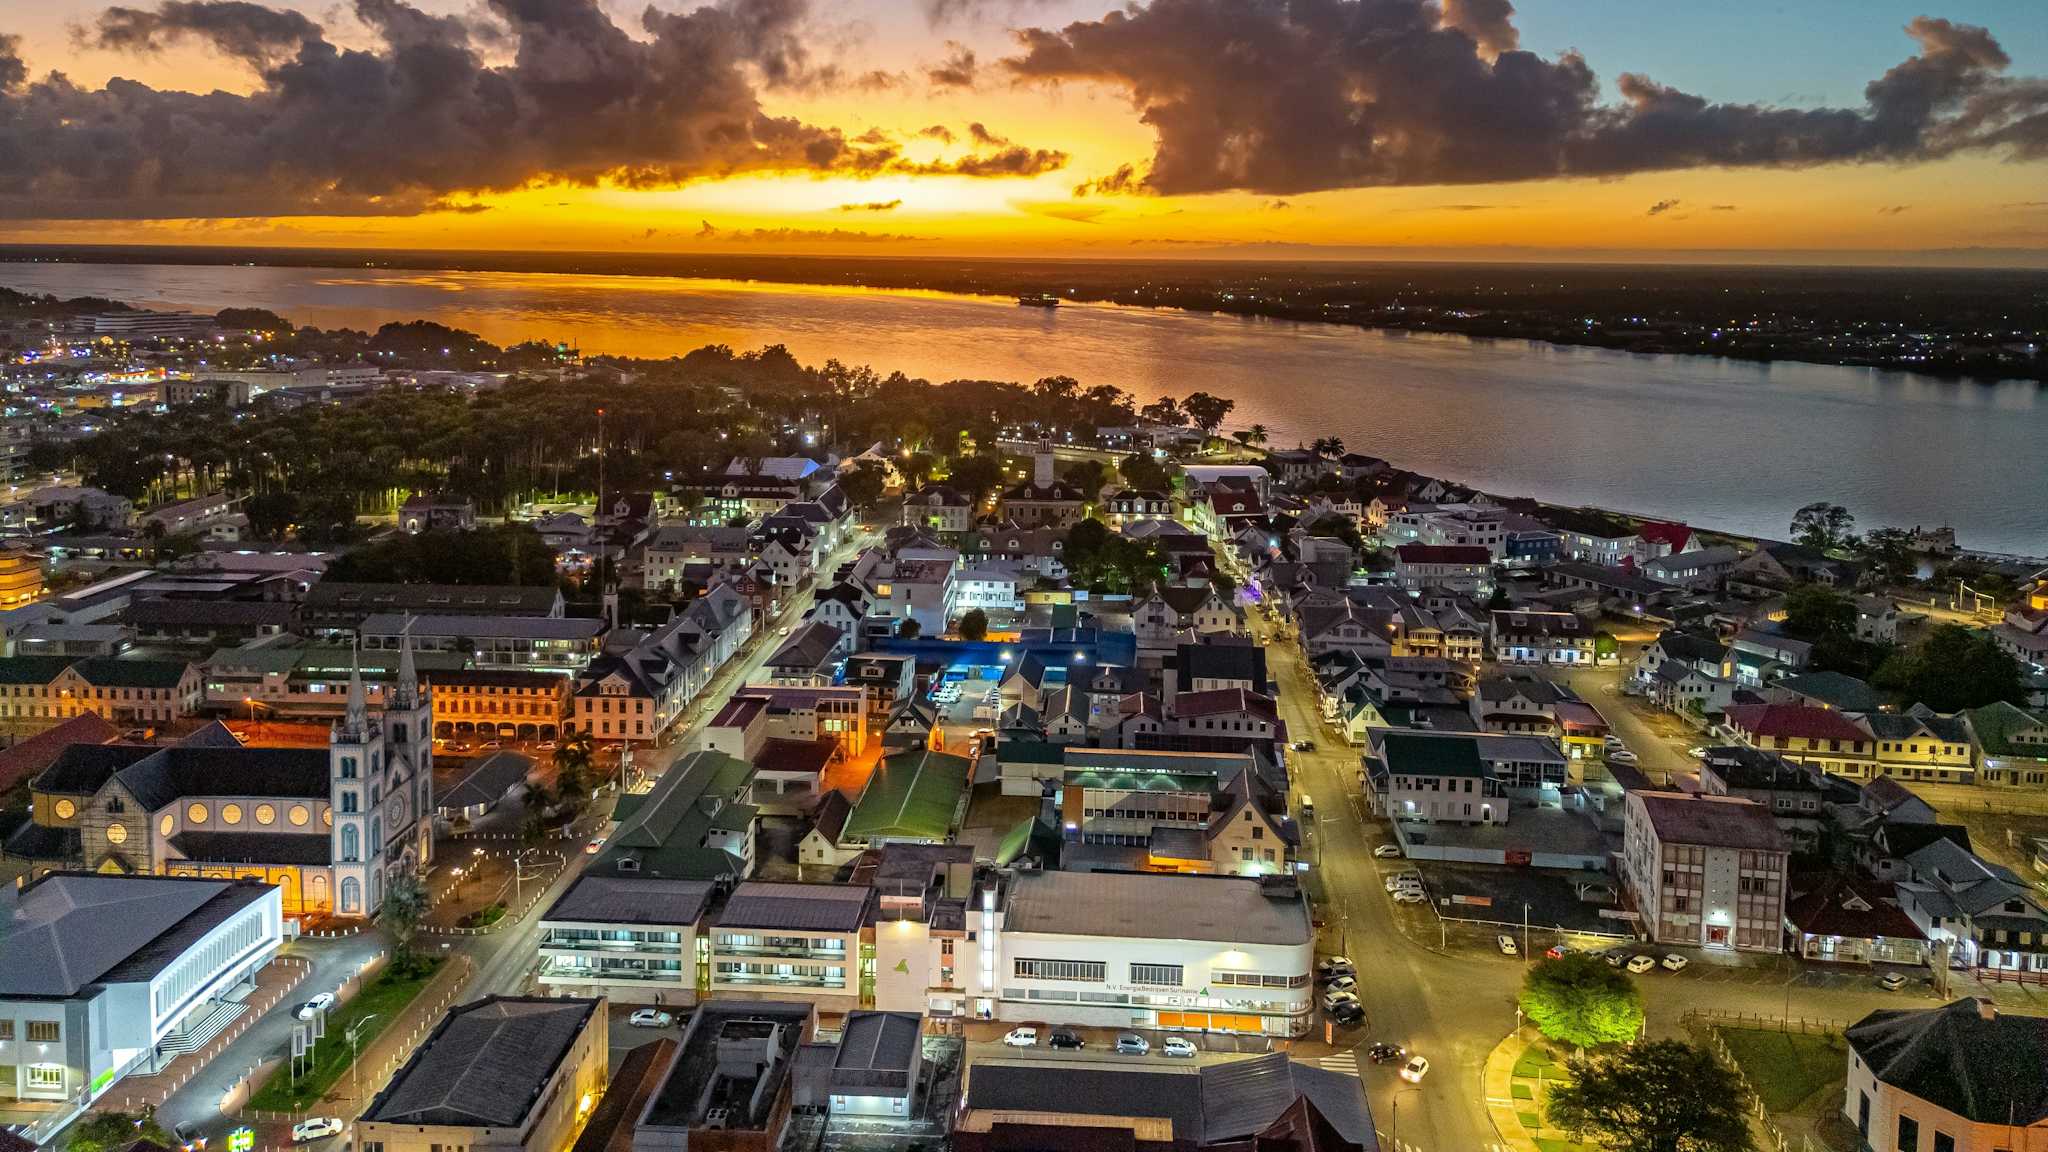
(354, 1031)
(1394, 1137)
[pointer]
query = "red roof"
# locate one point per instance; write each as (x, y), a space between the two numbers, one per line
(27, 759)
(1225, 700)
(1443, 554)
(1794, 721)
(1829, 909)
(1676, 535)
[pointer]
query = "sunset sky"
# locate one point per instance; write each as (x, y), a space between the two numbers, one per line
(1034, 127)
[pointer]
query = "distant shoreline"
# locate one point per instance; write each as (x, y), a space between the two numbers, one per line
(1482, 301)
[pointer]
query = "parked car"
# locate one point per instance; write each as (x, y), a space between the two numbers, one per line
(1025, 1037)
(1308, 806)
(1674, 962)
(1891, 981)
(1622, 756)
(1387, 852)
(318, 1128)
(189, 1137)
(1336, 996)
(1415, 1070)
(1131, 1044)
(1304, 745)
(1065, 1038)
(1177, 1046)
(1558, 951)
(1506, 944)
(1615, 957)
(650, 1018)
(1344, 983)
(324, 1002)
(1385, 1053)
(1641, 964)
(1349, 1012)
(1410, 896)
(1335, 966)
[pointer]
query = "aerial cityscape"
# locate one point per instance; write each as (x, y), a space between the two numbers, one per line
(1023, 576)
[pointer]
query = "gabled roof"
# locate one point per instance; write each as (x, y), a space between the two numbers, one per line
(1413, 754)
(1222, 701)
(485, 1064)
(1966, 1057)
(1851, 905)
(596, 899)
(487, 781)
(800, 907)
(1791, 720)
(69, 930)
(2005, 730)
(667, 833)
(1691, 647)
(912, 795)
(1837, 690)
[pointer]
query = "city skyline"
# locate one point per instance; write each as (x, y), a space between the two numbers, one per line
(1840, 132)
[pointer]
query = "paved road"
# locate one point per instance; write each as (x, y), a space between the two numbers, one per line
(1662, 755)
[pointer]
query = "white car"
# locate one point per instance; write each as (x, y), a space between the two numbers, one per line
(1641, 964)
(1506, 944)
(1415, 1070)
(1021, 1038)
(324, 1002)
(595, 846)
(1332, 964)
(1621, 756)
(318, 1128)
(1179, 1046)
(650, 1018)
(1344, 983)
(1387, 852)
(1335, 996)
(1674, 963)
(1410, 896)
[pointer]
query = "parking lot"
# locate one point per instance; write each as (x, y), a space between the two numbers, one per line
(1547, 900)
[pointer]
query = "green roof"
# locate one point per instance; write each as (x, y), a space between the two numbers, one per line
(1431, 756)
(1843, 692)
(1015, 842)
(33, 669)
(1997, 724)
(912, 796)
(664, 831)
(1030, 752)
(111, 672)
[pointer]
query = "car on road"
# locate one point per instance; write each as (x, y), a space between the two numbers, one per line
(1506, 944)
(1344, 983)
(1025, 1037)
(1177, 1046)
(1410, 896)
(1891, 981)
(1066, 1039)
(1308, 806)
(324, 1002)
(595, 846)
(318, 1128)
(1349, 1012)
(1330, 966)
(1641, 964)
(1303, 745)
(1387, 852)
(1131, 1044)
(190, 1139)
(1674, 963)
(1558, 951)
(1697, 751)
(1336, 996)
(1415, 1069)
(1385, 1053)
(1622, 756)
(650, 1018)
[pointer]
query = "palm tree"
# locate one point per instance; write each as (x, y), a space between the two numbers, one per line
(1256, 434)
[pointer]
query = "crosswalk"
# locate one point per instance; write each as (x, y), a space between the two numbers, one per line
(1343, 1062)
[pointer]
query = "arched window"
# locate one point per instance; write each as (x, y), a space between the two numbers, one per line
(376, 835)
(351, 843)
(352, 895)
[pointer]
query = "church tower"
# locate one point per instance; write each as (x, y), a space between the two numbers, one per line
(355, 754)
(408, 725)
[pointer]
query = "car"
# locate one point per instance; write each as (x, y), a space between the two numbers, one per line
(1332, 965)
(1066, 1039)
(782, 631)
(318, 1128)
(1415, 1070)
(1697, 751)
(190, 1139)
(324, 1002)
(493, 746)
(1336, 996)
(1387, 852)
(1303, 745)
(1179, 1047)
(1025, 1037)
(1131, 1044)
(1384, 1053)
(1641, 964)
(1891, 982)
(1410, 896)
(1622, 756)
(1506, 944)
(595, 846)
(1615, 957)
(1344, 983)
(1308, 806)
(1349, 1012)
(650, 1018)
(1558, 951)
(1674, 963)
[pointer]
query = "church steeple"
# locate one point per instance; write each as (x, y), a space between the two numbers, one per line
(406, 691)
(355, 719)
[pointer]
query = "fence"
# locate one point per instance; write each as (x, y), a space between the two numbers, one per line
(1705, 1024)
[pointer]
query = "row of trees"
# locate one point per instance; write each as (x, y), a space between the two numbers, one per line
(1951, 668)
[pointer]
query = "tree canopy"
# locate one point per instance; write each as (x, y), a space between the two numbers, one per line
(973, 624)
(1142, 472)
(498, 554)
(1660, 1096)
(1823, 527)
(1954, 667)
(1579, 999)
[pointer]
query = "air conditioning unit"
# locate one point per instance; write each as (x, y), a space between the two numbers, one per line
(717, 1118)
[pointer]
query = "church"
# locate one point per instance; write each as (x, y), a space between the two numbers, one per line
(331, 828)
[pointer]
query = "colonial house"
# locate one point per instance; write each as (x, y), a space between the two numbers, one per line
(1964, 1077)
(636, 695)
(41, 691)
(1777, 567)
(1128, 504)
(2012, 745)
(947, 511)
(1046, 501)
(1700, 568)
(1986, 913)
(1820, 738)
(1463, 568)
(1847, 918)
(1542, 638)
(1163, 616)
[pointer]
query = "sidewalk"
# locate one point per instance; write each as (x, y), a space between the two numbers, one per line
(1513, 1080)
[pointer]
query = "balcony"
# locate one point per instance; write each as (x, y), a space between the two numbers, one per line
(550, 942)
(781, 951)
(792, 980)
(564, 972)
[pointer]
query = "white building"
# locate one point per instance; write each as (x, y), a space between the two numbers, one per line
(1707, 871)
(103, 975)
(1147, 950)
(629, 938)
(1964, 1077)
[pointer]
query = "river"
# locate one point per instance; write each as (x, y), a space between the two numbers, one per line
(1721, 444)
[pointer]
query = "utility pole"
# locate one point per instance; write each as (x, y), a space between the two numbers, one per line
(1525, 931)
(354, 1052)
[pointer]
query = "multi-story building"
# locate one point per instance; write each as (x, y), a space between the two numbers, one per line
(1465, 568)
(1176, 812)
(1707, 871)
(1964, 1077)
(337, 607)
(1150, 950)
(39, 691)
(1921, 744)
(783, 940)
(672, 548)
(630, 938)
(947, 511)
(1792, 792)
(636, 695)
(730, 1085)
(1820, 738)
(2012, 745)
(516, 703)
(434, 512)
(1542, 638)
(809, 715)
(1046, 501)
(543, 644)
(505, 1073)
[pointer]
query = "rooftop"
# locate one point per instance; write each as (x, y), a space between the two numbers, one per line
(1716, 821)
(911, 795)
(799, 907)
(1156, 906)
(1966, 1057)
(877, 1054)
(631, 900)
(486, 1064)
(70, 930)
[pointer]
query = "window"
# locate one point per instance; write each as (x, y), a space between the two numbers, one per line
(266, 815)
(231, 814)
(298, 815)
(43, 1031)
(66, 809)
(1909, 1134)
(6, 1030)
(46, 1076)
(196, 814)
(1093, 971)
(1943, 1142)
(1162, 975)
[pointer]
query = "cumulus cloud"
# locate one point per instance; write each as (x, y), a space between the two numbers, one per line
(1292, 96)
(396, 127)
(957, 70)
(939, 132)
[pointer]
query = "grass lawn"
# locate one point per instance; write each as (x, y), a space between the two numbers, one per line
(1529, 1120)
(386, 998)
(1523, 1092)
(1786, 1067)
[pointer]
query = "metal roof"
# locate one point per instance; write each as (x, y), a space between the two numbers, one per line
(1154, 906)
(878, 1051)
(485, 1064)
(631, 900)
(69, 930)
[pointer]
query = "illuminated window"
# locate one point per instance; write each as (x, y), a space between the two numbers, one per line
(231, 814)
(196, 814)
(66, 809)
(117, 833)
(298, 815)
(164, 824)
(265, 814)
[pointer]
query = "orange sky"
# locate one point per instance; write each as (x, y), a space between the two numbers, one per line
(1974, 201)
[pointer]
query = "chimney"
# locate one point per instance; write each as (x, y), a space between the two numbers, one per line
(1041, 473)
(1987, 1011)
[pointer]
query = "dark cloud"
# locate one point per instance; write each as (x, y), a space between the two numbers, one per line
(1016, 160)
(1291, 96)
(983, 138)
(873, 206)
(1662, 206)
(1894, 209)
(938, 132)
(398, 127)
(879, 80)
(872, 136)
(1124, 179)
(945, 11)
(1720, 207)
(801, 236)
(957, 70)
